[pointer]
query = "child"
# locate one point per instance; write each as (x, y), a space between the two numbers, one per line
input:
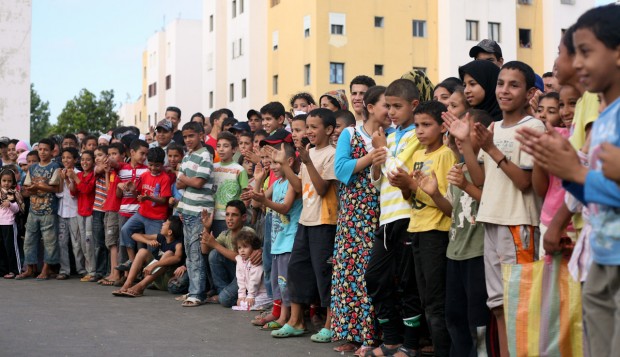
(298, 129)
(83, 187)
(351, 308)
(252, 294)
(68, 227)
(302, 103)
(344, 119)
(175, 156)
(273, 116)
(244, 138)
(163, 255)
(195, 176)
(465, 281)
(445, 89)
(286, 205)
(40, 185)
(11, 203)
(480, 79)
(334, 100)
(90, 143)
(428, 225)
(390, 268)
(153, 191)
(549, 109)
(511, 231)
(254, 120)
(259, 135)
(457, 104)
(230, 179)
(568, 98)
(101, 251)
(309, 269)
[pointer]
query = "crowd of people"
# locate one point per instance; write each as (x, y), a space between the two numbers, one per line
(383, 224)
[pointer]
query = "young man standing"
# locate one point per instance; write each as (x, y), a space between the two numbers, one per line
(487, 50)
(358, 87)
(174, 115)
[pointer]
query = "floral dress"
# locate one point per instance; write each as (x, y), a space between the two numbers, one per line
(358, 218)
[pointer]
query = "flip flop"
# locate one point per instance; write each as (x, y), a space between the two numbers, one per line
(9, 276)
(107, 282)
(385, 351)
(42, 278)
(132, 294)
(323, 336)
(288, 331)
(118, 293)
(191, 302)
(271, 326)
(62, 276)
(24, 276)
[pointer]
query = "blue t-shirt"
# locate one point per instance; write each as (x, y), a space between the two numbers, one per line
(284, 226)
(600, 193)
(43, 203)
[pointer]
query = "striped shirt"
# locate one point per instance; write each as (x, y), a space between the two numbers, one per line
(197, 164)
(100, 194)
(129, 202)
(393, 205)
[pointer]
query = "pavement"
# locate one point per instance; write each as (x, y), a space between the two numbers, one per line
(71, 318)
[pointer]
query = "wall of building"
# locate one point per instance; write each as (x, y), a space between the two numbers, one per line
(15, 28)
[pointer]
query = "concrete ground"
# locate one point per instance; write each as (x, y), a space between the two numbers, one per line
(70, 318)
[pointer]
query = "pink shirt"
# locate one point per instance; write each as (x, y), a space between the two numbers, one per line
(7, 214)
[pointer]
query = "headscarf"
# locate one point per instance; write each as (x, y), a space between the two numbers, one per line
(23, 158)
(22, 146)
(485, 73)
(421, 81)
(339, 96)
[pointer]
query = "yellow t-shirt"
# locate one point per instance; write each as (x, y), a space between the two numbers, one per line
(586, 112)
(425, 216)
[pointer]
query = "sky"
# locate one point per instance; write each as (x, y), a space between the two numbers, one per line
(96, 44)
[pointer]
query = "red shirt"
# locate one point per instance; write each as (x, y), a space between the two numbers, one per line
(85, 192)
(126, 172)
(157, 186)
(112, 201)
(212, 142)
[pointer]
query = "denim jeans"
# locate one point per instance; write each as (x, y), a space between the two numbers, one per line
(101, 252)
(195, 261)
(138, 224)
(179, 285)
(87, 243)
(267, 254)
(41, 227)
(224, 278)
(68, 229)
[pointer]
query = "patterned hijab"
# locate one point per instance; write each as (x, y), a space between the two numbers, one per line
(421, 81)
(485, 73)
(339, 96)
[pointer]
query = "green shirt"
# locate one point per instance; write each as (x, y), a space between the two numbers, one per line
(226, 239)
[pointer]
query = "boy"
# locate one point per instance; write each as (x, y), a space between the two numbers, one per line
(230, 179)
(254, 120)
(309, 269)
(168, 248)
(509, 208)
(153, 192)
(90, 143)
(273, 116)
(286, 205)
(69, 141)
(298, 129)
(391, 268)
(196, 178)
(344, 119)
(41, 184)
(428, 225)
(163, 136)
(173, 114)
(67, 218)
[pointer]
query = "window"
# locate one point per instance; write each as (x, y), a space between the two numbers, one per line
(525, 38)
(336, 73)
(243, 88)
(241, 6)
(419, 28)
(471, 30)
(307, 74)
(525, 2)
(231, 92)
(494, 31)
(156, 117)
(240, 47)
(210, 99)
(567, 2)
(337, 22)
(211, 23)
(274, 2)
(274, 40)
(378, 70)
(234, 8)
(210, 61)
(307, 26)
(233, 49)
(275, 84)
(378, 21)
(152, 89)
(168, 81)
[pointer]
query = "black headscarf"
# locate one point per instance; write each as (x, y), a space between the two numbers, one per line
(485, 73)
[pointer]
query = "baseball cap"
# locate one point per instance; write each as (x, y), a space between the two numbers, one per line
(240, 126)
(539, 83)
(252, 113)
(4, 140)
(279, 136)
(486, 45)
(164, 124)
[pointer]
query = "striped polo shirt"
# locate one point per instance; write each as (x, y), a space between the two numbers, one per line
(129, 202)
(197, 164)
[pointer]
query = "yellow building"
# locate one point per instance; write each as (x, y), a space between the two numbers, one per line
(316, 45)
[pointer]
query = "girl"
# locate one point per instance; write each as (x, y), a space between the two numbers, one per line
(568, 101)
(83, 187)
(549, 109)
(252, 293)
(444, 90)
(11, 203)
(302, 103)
(334, 100)
(457, 104)
(480, 79)
(351, 308)
(11, 152)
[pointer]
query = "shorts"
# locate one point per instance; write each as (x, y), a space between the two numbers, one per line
(506, 245)
(309, 269)
(112, 228)
(279, 277)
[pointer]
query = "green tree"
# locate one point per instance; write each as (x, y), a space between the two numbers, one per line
(87, 112)
(39, 116)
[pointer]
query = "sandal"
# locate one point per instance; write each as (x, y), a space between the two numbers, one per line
(261, 321)
(385, 351)
(191, 302)
(181, 297)
(42, 277)
(9, 276)
(288, 331)
(323, 336)
(107, 282)
(94, 278)
(62, 276)
(407, 351)
(118, 292)
(271, 326)
(85, 278)
(346, 347)
(133, 294)
(126, 266)
(25, 275)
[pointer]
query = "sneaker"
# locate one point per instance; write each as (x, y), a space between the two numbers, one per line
(126, 266)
